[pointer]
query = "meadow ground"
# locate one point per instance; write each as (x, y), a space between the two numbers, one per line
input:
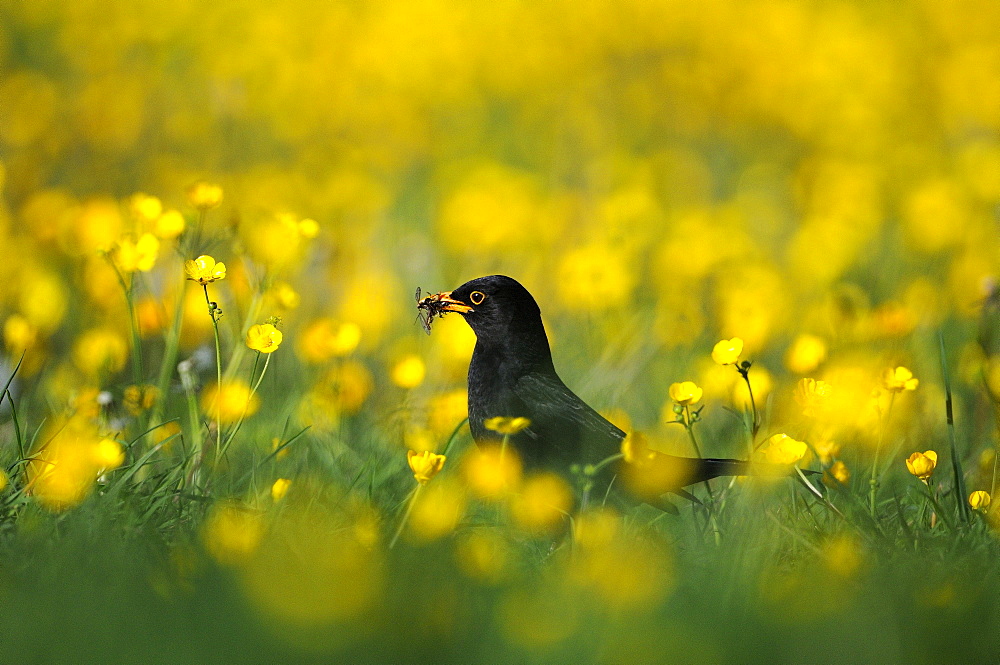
(225, 437)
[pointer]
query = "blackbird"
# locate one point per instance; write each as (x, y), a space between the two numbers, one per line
(511, 374)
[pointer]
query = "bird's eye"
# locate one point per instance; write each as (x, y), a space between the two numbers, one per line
(477, 297)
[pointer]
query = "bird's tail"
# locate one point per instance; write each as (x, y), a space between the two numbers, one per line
(706, 469)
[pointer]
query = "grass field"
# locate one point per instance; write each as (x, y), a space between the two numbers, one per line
(222, 421)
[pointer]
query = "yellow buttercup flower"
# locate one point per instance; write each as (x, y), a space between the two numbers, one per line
(783, 449)
(727, 351)
(979, 500)
(506, 426)
(205, 196)
(280, 488)
(264, 338)
(424, 465)
(685, 393)
(922, 464)
(205, 270)
(899, 379)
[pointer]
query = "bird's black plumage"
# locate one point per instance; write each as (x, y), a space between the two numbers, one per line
(512, 374)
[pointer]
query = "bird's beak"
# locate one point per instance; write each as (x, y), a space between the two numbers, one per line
(450, 304)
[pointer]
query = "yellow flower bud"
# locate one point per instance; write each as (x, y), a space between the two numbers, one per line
(922, 464)
(280, 488)
(424, 465)
(727, 351)
(979, 500)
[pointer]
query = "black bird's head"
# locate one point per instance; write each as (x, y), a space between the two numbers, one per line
(500, 311)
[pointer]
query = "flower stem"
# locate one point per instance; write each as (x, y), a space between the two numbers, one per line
(213, 312)
(253, 391)
(873, 483)
(406, 516)
(755, 421)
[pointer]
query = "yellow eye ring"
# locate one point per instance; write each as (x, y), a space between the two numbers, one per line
(477, 297)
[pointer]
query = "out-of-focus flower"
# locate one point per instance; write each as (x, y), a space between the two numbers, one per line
(108, 454)
(812, 395)
(151, 316)
(436, 511)
(842, 555)
(447, 410)
(264, 338)
(232, 533)
(506, 426)
(635, 449)
(131, 256)
(145, 207)
(230, 403)
(204, 195)
(424, 465)
(19, 334)
(63, 472)
(979, 500)
(324, 339)
(727, 351)
(409, 372)
(100, 350)
(4, 480)
(169, 225)
(899, 379)
(805, 354)
(205, 270)
(542, 502)
(825, 445)
(482, 554)
(922, 464)
(838, 474)
(783, 449)
(491, 472)
(280, 488)
(685, 393)
(137, 399)
(308, 228)
(282, 296)
(595, 278)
